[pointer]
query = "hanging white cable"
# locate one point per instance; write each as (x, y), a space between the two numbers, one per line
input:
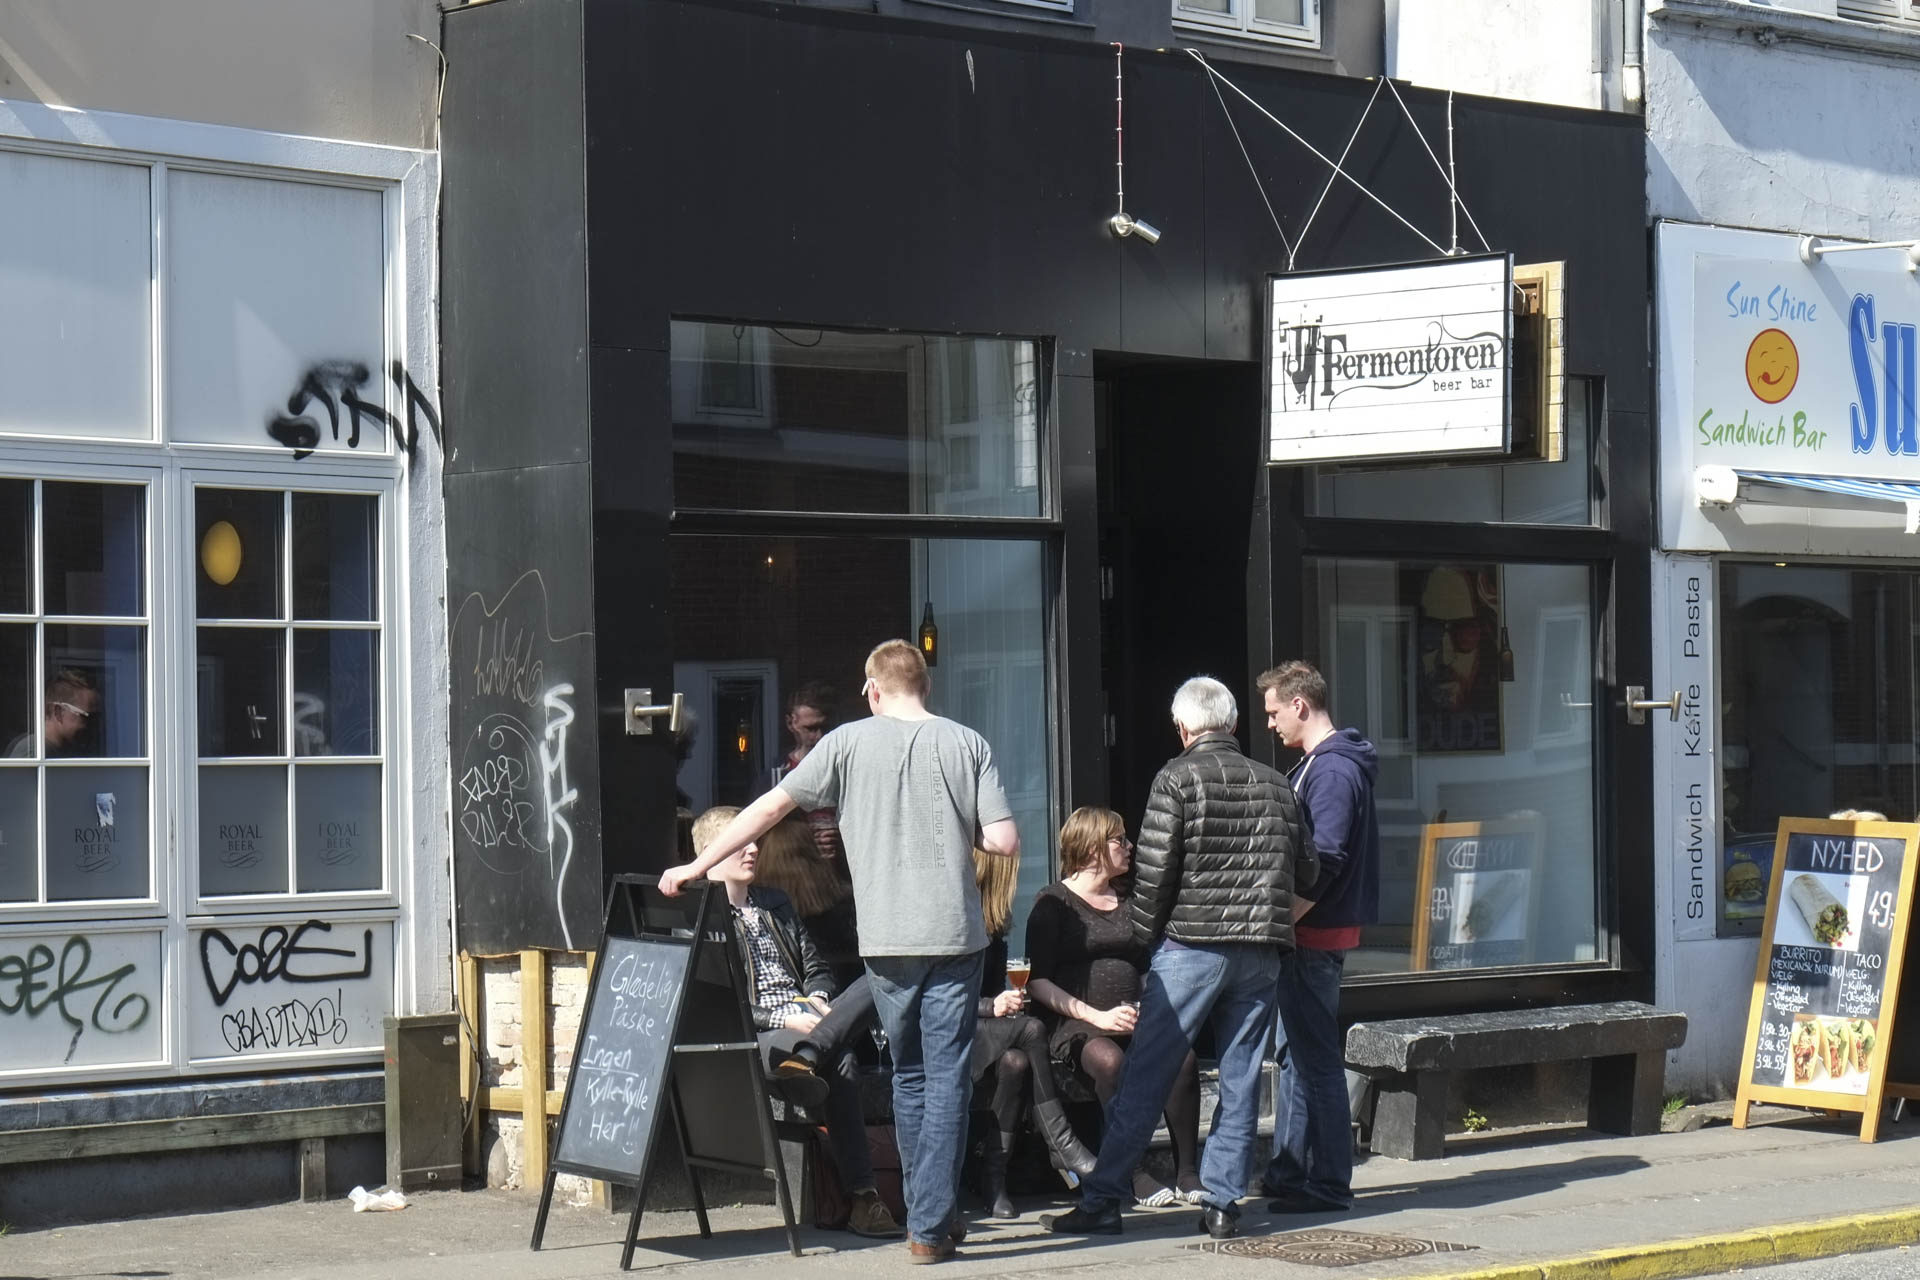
(1318, 155)
(1453, 189)
(1254, 172)
(1336, 168)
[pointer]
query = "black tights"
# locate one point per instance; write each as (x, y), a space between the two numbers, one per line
(1102, 1059)
(1012, 1070)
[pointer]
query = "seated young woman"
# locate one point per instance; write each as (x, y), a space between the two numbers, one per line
(1087, 970)
(1013, 1046)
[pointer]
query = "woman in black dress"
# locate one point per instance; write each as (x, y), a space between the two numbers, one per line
(1087, 972)
(1013, 1045)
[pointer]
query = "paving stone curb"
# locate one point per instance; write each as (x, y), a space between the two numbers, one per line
(1712, 1255)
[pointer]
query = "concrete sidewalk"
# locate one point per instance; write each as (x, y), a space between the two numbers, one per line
(1558, 1205)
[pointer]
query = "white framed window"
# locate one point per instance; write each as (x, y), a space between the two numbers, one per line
(205, 512)
(1295, 22)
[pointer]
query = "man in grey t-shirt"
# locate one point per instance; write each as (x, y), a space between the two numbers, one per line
(915, 794)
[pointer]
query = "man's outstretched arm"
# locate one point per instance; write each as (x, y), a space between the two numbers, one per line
(749, 825)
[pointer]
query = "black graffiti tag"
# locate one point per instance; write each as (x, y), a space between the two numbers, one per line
(336, 384)
(291, 1024)
(24, 988)
(276, 956)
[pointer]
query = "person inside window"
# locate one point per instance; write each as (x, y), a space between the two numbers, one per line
(1087, 968)
(806, 1039)
(72, 702)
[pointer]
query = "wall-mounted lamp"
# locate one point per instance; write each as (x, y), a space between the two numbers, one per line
(929, 637)
(1125, 224)
(220, 553)
(1122, 223)
(1813, 248)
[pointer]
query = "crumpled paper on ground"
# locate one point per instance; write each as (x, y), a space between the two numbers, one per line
(382, 1201)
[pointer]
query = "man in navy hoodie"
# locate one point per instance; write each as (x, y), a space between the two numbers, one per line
(1312, 1166)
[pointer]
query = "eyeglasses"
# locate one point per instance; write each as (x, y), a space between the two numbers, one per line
(871, 686)
(1122, 841)
(1462, 633)
(82, 712)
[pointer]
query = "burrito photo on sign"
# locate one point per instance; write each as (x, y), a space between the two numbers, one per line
(1824, 913)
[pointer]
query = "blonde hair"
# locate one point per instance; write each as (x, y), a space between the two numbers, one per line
(791, 863)
(1083, 840)
(710, 824)
(1856, 815)
(897, 667)
(997, 877)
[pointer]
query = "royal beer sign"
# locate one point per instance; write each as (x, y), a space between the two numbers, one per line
(1390, 362)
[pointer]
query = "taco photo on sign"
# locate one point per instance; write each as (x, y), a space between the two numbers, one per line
(1806, 1048)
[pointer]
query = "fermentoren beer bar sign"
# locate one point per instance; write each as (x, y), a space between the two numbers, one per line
(1401, 361)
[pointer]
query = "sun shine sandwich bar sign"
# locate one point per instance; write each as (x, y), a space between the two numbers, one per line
(1390, 362)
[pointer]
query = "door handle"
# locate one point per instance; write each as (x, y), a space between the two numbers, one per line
(1638, 704)
(641, 712)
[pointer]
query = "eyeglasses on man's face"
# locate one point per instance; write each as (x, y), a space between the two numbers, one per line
(82, 712)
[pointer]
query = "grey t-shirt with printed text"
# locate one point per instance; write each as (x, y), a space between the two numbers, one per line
(912, 796)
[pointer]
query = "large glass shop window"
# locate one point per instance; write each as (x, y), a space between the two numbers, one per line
(1474, 682)
(287, 643)
(1818, 675)
(74, 780)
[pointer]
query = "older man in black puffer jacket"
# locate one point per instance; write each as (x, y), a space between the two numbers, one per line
(1221, 848)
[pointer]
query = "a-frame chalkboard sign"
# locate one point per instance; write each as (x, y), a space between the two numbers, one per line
(666, 1032)
(1821, 1026)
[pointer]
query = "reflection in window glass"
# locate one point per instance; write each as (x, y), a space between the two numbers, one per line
(93, 550)
(96, 694)
(334, 549)
(20, 697)
(16, 546)
(334, 687)
(19, 835)
(1474, 682)
(778, 419)
(1503, 492)
(337, 827)
(97, 832)
(1819, 671)
(237, 551)
(756, 620)
(243, 829)
(240, 691)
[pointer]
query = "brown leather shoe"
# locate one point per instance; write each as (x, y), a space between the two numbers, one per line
(870, 1217)
(917, 1252)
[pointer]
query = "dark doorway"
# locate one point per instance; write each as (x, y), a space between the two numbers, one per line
(1179, 459)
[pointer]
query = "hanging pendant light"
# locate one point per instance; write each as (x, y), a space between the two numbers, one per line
(929, 637)
(1506, 658)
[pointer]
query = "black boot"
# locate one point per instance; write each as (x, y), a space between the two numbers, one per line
(1050, 1120)
(993, 1174)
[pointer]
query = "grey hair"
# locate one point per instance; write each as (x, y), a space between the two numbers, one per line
(1204, 705)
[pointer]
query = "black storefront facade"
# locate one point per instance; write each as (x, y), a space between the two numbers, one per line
(772, 332)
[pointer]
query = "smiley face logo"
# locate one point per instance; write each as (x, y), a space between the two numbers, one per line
(1773, 365)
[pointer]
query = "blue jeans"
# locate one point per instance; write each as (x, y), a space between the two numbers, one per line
(1231, 987)
(927, 1007)
(1312, 1119)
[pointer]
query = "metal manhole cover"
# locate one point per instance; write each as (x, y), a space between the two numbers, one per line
(1326, 1247)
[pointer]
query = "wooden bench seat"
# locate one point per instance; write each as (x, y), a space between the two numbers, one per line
(1412, 1061)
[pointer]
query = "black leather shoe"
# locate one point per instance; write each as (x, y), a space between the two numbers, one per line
(1081, 1222)
(801, 1089)
(1218, 1223)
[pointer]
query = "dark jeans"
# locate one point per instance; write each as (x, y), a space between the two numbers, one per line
(928, 1005)
(1229, 987)
(832, 1043)
(1312, 1118)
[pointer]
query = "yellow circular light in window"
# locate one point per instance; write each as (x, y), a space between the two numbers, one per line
(220, 552)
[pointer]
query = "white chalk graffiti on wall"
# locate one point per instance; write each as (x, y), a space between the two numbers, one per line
(557, 794)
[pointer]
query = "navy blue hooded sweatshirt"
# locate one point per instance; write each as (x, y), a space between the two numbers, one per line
(1335, 786)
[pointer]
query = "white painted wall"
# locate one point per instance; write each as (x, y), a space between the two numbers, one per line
(1768, 118)
(340, 69)
(1566, 52)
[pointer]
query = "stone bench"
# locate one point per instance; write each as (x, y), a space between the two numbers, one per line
(1412, 1061)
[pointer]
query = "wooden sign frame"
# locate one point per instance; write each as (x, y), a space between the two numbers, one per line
(1869, 1104)
(703, 923)
(1431, 834)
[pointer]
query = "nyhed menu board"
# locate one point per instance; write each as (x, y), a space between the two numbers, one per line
(1829, 970)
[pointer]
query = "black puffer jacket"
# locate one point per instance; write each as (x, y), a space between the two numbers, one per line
(1221, 847)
